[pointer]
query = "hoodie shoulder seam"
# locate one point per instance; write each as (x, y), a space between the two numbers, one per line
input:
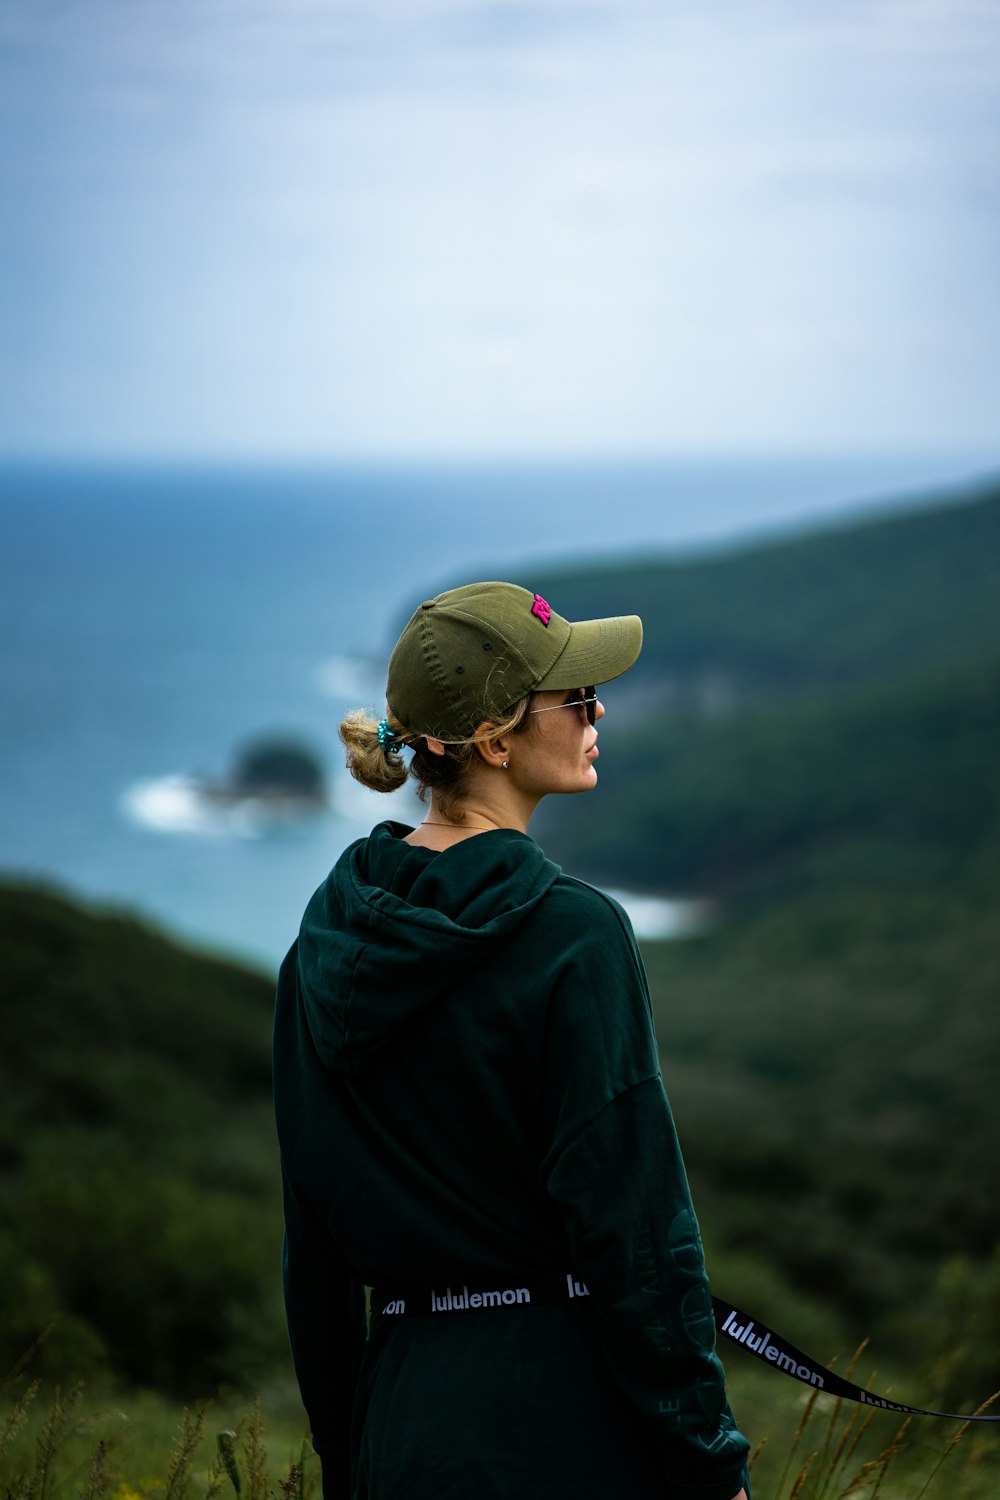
(610, 905)
(602, 896)
(558, 1149)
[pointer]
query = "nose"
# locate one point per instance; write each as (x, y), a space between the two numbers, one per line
(598, 710)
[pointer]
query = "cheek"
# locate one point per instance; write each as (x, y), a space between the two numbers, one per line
(556, 748)
(558, 741)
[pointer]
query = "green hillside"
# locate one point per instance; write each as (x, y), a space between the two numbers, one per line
(812, 741)
(874, 781)
(138, 1205)
(825, 705)
(832, 1062)
(859, 603)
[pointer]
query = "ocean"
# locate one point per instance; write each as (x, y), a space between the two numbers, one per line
(153, 619)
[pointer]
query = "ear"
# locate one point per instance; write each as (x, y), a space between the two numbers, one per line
(495, 752)
(436, 747)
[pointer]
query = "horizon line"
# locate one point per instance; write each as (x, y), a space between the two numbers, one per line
(971, 453)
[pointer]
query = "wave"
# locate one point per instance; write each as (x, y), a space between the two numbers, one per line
(658, 918)
(183, 804)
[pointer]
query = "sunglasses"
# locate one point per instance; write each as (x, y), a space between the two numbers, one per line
(585, 699)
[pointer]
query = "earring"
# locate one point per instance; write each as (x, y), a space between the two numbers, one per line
(505, 765)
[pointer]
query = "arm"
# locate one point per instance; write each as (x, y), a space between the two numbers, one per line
(325, 1308)
(615, 1170)
(634, 1240)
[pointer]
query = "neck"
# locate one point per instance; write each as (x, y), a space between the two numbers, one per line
(498, 804)
(464, 827)
(491, 799)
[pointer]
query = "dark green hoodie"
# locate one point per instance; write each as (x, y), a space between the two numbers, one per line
(467, 1089)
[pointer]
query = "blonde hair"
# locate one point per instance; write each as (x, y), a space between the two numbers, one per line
(381, 767)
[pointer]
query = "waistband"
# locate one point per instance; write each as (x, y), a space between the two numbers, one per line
(510, 1292)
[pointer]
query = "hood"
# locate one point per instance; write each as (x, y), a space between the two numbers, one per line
(393, 927)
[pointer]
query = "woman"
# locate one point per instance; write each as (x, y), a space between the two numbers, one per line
(471, 1116)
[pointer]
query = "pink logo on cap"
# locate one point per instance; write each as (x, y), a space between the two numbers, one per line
(541, 609)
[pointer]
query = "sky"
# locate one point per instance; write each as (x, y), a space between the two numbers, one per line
(319, 228)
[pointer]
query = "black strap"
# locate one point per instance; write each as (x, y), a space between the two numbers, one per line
(781, 1355)
(454, 1300)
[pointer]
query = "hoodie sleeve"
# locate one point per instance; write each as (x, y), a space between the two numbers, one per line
(614, 1169)
(325, 1308)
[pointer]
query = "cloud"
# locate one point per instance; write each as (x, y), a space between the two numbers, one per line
(239, 222)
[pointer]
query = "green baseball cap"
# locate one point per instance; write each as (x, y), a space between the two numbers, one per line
(468, 655)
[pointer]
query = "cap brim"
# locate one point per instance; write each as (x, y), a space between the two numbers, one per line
(597, 651)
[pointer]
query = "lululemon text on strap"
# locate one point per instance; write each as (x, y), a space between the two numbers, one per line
(453, 1300)
(514, 1291)
(777, 1351)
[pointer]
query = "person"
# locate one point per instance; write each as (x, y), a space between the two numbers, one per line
(471, 1118)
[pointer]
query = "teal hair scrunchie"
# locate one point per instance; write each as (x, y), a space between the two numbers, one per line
(388, 740)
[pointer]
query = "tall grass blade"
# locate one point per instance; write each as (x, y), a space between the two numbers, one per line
(959, 1435)
(98, 1475)
(291, 1487)
(21, 1364)
(226, 1441)
(803, 1475)
(838, 1458)
(862, 1430)
(873, 1469)
(50, 1440)
(889, 1455)
(188, 1442)
(803, 1424)
(13, 1423)
(216, 1478)
(310, 1476)
(255, 1455)
(823, 1473)
(755, 1453)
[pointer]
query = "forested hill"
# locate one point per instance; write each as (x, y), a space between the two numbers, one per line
(822, 706)
(811, 739)
(139, 1208)
(860, 602)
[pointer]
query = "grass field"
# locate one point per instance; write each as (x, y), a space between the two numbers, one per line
(114, 1444)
